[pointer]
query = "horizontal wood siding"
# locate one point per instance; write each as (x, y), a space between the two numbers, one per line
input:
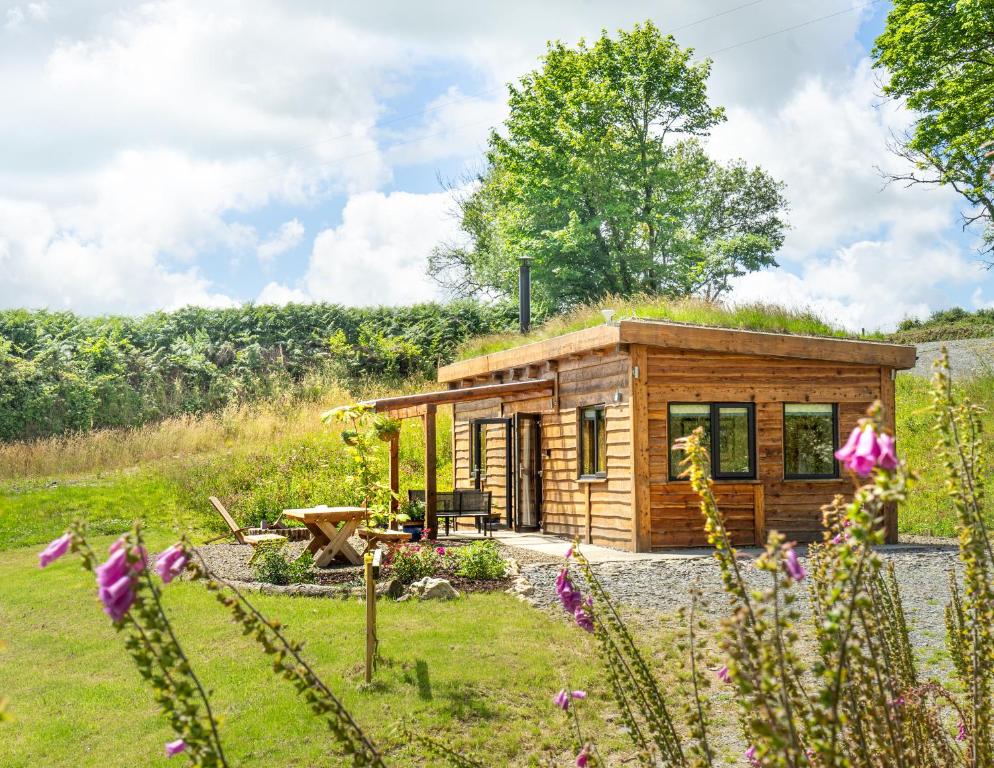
(792, 507)
(599, 511)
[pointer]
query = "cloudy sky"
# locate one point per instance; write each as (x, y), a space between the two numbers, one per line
(159, 154)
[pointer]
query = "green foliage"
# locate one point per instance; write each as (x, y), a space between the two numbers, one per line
(939, 57)
(61, 373)
(412, 562)
(598, 177)
(272, 566)
(480, 560)
(946, 324)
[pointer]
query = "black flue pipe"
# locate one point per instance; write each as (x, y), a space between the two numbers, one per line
(524, 294)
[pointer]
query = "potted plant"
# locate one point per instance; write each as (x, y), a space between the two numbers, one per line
(411, 516)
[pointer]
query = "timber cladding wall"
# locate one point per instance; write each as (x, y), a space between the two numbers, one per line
(598, 511)
(793, 507)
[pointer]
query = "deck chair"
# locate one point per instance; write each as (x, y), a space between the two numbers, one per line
(254, 540)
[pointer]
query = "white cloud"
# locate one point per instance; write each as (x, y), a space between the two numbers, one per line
(286, 238)
(377, 254)
(275, 293)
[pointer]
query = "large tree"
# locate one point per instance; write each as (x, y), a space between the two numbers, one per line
(940, 58)
(599, 177)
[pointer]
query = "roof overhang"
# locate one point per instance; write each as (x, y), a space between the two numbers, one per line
(405, 406)
(690, 337)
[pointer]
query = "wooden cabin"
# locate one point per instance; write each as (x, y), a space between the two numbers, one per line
(572, 435)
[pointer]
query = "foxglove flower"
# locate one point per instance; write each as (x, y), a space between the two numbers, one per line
(562, 700)
(583, 758)
(171, 563)
(888, 456)
(569, 595)
(175, 747)
(794, 568)
(440, 551)
(750, 755)
(584, 615)
(55, 550)
(116, 579)
(961, 731)
(724, 675)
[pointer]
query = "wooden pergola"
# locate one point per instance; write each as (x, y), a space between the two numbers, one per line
(424, 405)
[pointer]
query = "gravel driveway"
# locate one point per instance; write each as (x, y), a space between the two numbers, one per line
(662, 585)
(967, 357)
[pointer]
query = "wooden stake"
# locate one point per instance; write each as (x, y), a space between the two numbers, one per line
(370, 617)
(394, 472)
(431, 494)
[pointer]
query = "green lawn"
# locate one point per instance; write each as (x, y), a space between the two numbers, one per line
(478, 673)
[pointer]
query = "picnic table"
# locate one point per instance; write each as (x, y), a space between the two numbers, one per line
(330, 529)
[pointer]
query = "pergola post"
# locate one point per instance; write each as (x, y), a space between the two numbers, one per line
(431, 491)
(394, 472)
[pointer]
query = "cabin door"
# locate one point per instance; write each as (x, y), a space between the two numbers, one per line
(527, 471)
(491, 461)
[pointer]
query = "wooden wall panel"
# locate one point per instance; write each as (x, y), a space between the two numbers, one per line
(792, 507)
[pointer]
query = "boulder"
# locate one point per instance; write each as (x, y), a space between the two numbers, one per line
(433, 589)
(391, 588)
(521, 587)
(513, 569)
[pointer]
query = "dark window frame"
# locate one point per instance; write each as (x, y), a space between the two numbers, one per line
(599, 409)
(714, 410)
(836, 473)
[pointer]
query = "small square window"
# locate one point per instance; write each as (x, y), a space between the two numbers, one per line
(729, 436)
(593, 442)
(810, 438)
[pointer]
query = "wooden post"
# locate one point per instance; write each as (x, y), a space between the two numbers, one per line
(638, 422)
(370, 616)
(888, 398)
(759, 515)
(394, 472)
(431, 494)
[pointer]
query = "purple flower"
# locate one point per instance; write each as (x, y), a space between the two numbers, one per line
(569, 552)
(961, 731)
(55, 550)
(563, 698)
(440, 550)
(794, 568)
(116, 579)
(175, 747)
(867, 453)
(750, 755)
(171, 563)
(846, 451)
(582, 758)
(584, 615)
(569, 595)
(888, 456)
(724, 675)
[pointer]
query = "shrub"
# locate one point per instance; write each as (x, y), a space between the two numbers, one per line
(412, 562)
(274, 567)
(481, 560)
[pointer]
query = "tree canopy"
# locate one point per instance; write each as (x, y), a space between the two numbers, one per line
(940, 58)
(599, 176)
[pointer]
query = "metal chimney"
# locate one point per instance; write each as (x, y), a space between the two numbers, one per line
(524, 294)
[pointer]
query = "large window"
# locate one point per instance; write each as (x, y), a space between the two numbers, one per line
(728, 434)
(810, 437)
(593, 442)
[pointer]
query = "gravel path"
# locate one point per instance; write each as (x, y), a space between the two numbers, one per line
(967, 357)
(663, 586)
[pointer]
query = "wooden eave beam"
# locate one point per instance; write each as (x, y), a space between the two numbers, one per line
(405, 406)
(536, 352)
(705, 339)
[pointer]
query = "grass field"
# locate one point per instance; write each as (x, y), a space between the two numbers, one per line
(483, 686)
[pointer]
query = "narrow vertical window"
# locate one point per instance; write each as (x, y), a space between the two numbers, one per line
(593, 442)
(810, 438)
(478, 450)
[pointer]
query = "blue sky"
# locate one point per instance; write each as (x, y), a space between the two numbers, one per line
(163, 153)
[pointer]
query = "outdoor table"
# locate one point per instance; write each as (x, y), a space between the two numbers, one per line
(328, 541)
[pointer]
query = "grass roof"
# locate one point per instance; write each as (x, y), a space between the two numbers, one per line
(752, 317)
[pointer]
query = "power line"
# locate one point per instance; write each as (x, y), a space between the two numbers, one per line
(795, 26)
(477, 94)
(451, 129)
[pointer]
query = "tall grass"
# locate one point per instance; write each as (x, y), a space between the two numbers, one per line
(928, 511)
(754, 316)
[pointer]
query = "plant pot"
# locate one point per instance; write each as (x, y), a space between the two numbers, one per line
(414, 530)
